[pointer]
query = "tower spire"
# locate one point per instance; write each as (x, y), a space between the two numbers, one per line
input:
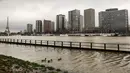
(7, 27)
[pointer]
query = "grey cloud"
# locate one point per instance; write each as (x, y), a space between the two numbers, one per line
(48, 9)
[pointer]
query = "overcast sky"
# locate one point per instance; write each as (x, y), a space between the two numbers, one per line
(22, 12)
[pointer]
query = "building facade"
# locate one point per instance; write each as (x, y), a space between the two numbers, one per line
(29, 28)
(74, 21)
(81, 23)
(60, 21)
(38, 26)
(53, 27)
(113, 21)
(89, 19)
(47, 26)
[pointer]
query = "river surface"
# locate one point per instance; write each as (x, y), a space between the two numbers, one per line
(75, 61)
(96, 39)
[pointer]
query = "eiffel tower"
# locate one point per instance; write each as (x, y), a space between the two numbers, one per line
(7, 31)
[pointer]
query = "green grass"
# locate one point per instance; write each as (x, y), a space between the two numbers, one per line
(10, 64)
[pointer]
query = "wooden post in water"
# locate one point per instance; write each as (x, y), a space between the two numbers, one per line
(41, 42)
(5, 40)
(104, 46)
(118, 47)
(17, 40)
(47, 43)
(30, 41)
(14, 40)
(11, 40)
(54, 43)
(35, 42)
(91, 45)
(25, 41)
(70, 44)
(21, 40)
(62, 44)
(79, 44)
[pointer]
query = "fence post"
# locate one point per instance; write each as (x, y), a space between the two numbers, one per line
(47, 43)
(62, 44)
(118, 47)
(54, 43)
(14, 40)
(41, 42)
(11, 40)
(91, 45)
(21, 41)
(79, 44)
(17, 40)
(70, 44)
(25, 41)
(104, 46)
(30, 41)
(35, 42)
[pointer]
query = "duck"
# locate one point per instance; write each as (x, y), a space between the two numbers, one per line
(59, 59)
(44, 60)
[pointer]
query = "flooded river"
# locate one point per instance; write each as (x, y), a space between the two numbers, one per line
(75, 61)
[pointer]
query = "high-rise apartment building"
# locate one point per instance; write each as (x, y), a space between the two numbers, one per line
(39, 26)
(89, 18)
(29, 28)
(60, 21)
(53, 27)
(113, 21)
(48, 26)
(81, 23)
(74, 21)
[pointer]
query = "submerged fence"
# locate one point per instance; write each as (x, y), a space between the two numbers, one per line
(70, 44)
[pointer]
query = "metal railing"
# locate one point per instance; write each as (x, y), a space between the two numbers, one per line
(70, 44)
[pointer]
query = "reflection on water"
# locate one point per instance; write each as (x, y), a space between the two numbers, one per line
(75, 61)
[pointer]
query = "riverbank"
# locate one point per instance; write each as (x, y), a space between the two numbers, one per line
(10, 64)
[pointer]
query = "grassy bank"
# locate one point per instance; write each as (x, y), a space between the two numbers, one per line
(10, 64)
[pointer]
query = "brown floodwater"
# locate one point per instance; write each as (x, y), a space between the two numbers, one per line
(75, 61)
